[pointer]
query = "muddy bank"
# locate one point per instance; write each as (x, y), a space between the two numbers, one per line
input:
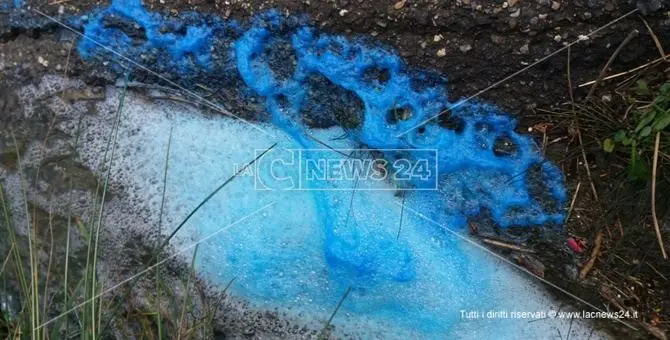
(474, 43)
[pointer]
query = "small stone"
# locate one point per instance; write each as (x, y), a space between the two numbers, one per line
(399, 5)
(343, 12)
(465, 2)
(423, 45)
(606, 98)
(587, 15)
(534, 20)
(557, 38)
(516, 13)
(512, 23)
(524, 49)
(583, 37)
(513, 2)
(249, 331)
(571, 272)
(438, 37)
(542, 16)
(555, 5)
(442, 52)
(496, 39)
(505, 4)
(42, 61)
(61, 9)
(465, 48)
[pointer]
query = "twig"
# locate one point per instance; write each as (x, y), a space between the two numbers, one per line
(657, 228)
(594, 255)
(506, 245)
(402, 213)
(628, 38)
(617, 75)
(212, 194)
(572, 204)
(230, 283)
(579, 133)
(657, 272)
(328, 146)
(351, 202)
(9, 254)
(173, 98)
(655, 38)
(323, 334)
(655, 331)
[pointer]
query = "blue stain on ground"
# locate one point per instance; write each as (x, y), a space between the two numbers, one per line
(9, 4)
(284, 61)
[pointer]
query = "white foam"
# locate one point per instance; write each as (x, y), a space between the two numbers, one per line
(277, 256)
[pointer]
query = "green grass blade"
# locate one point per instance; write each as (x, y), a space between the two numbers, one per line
(158, 237)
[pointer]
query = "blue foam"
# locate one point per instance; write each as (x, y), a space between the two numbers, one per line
(9, 4)
(470, 177)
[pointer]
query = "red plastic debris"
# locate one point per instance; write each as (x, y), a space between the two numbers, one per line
(574, 245)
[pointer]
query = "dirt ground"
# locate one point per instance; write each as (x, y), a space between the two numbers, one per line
(476, 44)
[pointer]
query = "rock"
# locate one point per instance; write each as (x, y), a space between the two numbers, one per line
(516, 13)
(555, 5)
(438, 37)
(442, 52)
(497, 39)
(524, 49)
(343, 12)
(464, 48)
(512, 23)
(42, 61)
(571, 272)
(557, 38)
(399, 5)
